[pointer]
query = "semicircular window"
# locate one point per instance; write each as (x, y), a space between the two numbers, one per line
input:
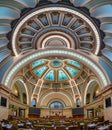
(56, 105)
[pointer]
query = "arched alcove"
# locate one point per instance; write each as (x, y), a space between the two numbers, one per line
(92, 90)
(19, 89)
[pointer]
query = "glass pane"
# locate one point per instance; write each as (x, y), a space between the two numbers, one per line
(50, 75)
(37, 62)
(56, 105)
(62, 75)
(34, 102)
(56, 63)
(75, 63)
(39, 72)
(73, 72)
(78, 102)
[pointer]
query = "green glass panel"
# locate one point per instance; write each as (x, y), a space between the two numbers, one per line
(39, 72)
(75, 63)
(37, 62)
(73, 72)
(50, 75)
(62, 75)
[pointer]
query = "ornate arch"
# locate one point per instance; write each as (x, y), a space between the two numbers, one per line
(24, 85)
(49, 96)
(77, 55)
(85, 93)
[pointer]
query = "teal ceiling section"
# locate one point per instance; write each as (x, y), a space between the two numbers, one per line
(50, 75)
(73, 72)
(75, 63)
(39, 72)
(56, 63)
(38, 62)
(62, 75)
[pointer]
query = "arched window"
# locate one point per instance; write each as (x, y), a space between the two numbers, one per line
(78, 102)
(20, 91)
(56, 105)
(34, 102)
(93, 88)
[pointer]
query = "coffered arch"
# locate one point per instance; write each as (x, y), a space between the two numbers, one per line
(90, 87)
(53, 95)
(22, 88)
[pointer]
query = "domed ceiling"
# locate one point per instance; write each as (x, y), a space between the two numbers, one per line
(53, 26)
(56, 74)
(78, 26)
(12, 10)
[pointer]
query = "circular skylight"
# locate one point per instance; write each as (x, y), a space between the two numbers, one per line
(56, 63)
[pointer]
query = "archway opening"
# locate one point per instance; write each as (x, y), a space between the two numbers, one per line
(19, 99)
(92, 91)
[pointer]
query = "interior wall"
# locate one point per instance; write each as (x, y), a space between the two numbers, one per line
(107, 93)
(108, 114)
(46, 112)
(3, 113)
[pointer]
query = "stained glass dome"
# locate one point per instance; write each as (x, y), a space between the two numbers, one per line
(55, 69)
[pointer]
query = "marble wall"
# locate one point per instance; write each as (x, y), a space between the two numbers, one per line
(3, 113)
(108, 114)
